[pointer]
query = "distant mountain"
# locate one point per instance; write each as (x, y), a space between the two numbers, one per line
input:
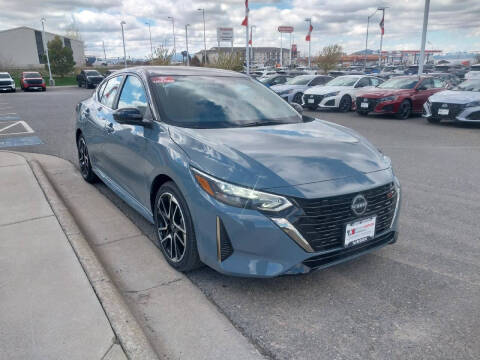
(455, 55)
(362, 52)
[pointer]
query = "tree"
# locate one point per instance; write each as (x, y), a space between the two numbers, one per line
(162, 56)
(227, 61)
(329, 57)
(61, 57)
(477, 59)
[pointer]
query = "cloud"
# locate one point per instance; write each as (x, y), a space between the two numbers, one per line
(334, 21)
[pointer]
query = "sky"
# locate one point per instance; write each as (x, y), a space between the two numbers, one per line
(454, 25)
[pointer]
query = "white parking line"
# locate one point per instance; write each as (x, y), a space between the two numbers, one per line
(28, 129)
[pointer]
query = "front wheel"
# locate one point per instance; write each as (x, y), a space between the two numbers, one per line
(174, 229)
(84, 161)
(345, 104)
(404, 110)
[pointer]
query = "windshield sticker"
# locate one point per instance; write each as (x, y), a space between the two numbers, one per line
(163, 80)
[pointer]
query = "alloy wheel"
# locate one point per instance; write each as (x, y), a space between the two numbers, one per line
(83, 158)
(345, 104)
(171, 229)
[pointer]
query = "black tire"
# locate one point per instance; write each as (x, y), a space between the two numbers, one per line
(44, 89)
(84, 161)
(79, 84)
(433, 120)
(183, 257)
(404, 111)
(297, 98)
(345, 104)
(14, 90)
(362, 113)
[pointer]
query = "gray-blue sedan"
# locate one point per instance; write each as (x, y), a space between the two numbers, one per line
(232, 176)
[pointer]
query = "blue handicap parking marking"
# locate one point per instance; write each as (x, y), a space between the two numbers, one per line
(20, 141)
(9, 117)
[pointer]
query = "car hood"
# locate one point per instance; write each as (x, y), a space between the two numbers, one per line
(379, 93)
(455, 97)
(280, 88)
(325, 89)
(280, 155)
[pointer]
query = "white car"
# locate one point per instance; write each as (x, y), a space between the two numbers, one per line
(462, 103)
(474, 72)
(6, 82)
(339, 93)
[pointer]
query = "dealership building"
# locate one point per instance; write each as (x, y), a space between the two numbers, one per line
(23, 48)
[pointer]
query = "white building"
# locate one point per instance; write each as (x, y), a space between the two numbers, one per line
(23, 48)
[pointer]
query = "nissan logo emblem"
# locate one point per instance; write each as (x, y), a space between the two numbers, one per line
(359, 205)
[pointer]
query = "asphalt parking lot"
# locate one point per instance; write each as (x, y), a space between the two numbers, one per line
(417, 299)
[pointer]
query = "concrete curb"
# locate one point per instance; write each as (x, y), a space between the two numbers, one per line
(129, 333)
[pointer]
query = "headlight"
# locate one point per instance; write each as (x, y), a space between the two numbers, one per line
(387, 98)
(335, 93)
(239, 196)
(472, 104)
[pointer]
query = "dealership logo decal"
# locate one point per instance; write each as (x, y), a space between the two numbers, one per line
(359, 205)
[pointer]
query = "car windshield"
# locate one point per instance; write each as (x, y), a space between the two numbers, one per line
(268, 79)
(92, 73)
(32, 75)
(343, 81)
(469, 85)
(218, 102)
(399, 83)
(300, 80)
(4, 76)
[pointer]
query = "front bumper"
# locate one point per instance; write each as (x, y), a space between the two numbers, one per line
(34, 86)
(244, 242)
(456, 112)
(7, 87)
(377, 107)
(315, 101)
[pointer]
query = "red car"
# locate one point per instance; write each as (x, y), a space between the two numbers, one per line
(402, 96)
(32, 81)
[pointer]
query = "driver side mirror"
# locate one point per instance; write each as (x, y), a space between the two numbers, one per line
(129, 116)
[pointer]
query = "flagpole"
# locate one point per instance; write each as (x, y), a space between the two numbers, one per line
(381, 39)
(247, 54)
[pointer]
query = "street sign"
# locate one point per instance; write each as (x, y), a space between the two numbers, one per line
(285, 29)
(224, 34)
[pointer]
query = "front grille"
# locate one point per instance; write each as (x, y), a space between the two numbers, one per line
(324, 220)
(372, 104)
(34, 81)
(474, 116)
(316, 99)
(5, 83)
(453, 110)
(343, 254)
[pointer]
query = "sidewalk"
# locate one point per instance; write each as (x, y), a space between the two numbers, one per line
(48, 309)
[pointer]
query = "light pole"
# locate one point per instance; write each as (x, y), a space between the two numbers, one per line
(309, 20)
(381, 37)
(150, 32)
(204, 37)
(366, 39)
(123, 39)
(186, 41)
(424, 36)
(251, 42)
(45, 46)
(173, 27)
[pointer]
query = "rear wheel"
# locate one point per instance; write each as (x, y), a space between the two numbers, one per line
(297, 98)
(404, 111)
(84, 161)
(345, 104)
(174, 229)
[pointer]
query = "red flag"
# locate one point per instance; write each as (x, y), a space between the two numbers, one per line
(245, 21)
(310, 29)
(250, 41)
(382, 23)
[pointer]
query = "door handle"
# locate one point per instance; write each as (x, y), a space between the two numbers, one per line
(110, 128)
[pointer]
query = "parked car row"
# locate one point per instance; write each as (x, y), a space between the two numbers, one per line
(29, 80)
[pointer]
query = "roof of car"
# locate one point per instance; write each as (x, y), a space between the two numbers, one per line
(181, 70)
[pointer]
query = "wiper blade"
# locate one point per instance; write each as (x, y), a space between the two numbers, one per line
(261, 123)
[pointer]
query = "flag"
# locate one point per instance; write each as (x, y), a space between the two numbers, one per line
(245, 21)
(310, 29)
(382, 23)
(250, 41)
